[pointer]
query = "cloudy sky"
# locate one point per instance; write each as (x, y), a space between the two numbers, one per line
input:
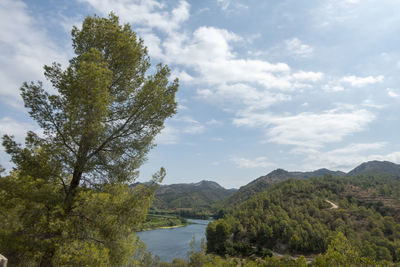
(264, 84)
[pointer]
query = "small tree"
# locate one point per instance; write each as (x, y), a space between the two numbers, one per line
(67, 202)
(340, 253)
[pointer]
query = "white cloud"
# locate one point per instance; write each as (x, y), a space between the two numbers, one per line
(224, 4)
(307, 129)
(332, 87)
(308, 76)
(371, 104)
(25, 49)
(259, 162)
(361, 81)
(214, 122)
(394, 93)
(17, 129)
(348, 157)
(183, 76)
(152, 42)
(240, 93)
(168, 136)
(337, 85)
(149, 13)
(208, 55)
(176, 128)
(194, 129)
(352, 1)
(295, 47)
(228, 4)
(224, 76)
(191, 126)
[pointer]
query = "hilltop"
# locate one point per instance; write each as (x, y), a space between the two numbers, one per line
(383, 168)
(192, 195)
(375, 167)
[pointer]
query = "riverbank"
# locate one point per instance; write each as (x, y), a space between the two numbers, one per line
(155, 221)
(165, 227)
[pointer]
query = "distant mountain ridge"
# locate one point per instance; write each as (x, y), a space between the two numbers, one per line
(385, 168)
(376, 167)
(205, 194)
(192, 195)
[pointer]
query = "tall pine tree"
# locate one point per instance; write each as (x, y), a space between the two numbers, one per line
(67, 201)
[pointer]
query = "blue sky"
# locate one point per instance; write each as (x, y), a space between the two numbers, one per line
(264, 84)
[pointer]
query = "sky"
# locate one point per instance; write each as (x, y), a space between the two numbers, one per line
(264, 84)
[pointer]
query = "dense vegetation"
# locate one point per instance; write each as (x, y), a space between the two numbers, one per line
(67, 202)
(294, 217)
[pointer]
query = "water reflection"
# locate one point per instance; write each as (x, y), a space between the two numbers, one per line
(174, 243)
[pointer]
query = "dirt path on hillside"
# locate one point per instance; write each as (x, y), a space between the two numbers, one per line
(334, 206)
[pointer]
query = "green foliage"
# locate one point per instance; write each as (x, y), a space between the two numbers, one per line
(67, 202)
(217, 234)
(295, 217)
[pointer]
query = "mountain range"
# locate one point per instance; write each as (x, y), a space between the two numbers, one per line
(384, 168)
(208, 194)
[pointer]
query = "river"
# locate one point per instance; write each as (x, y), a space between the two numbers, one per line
(174, 243)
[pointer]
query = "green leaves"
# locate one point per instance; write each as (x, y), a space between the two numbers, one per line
(67, 201)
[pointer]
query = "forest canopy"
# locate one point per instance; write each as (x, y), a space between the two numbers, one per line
(297, 217)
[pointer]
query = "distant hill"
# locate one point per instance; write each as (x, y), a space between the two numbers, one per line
(382, 168)
(276, 176)
(193, 195)
(377, 168)
(209, 194)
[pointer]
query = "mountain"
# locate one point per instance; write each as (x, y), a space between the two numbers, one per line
(276, 176)
(193, 195)
(377, 168)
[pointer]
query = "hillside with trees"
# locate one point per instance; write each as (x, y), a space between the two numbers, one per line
(296, 217)
(194, 200)
(193, 195)
(382, 168)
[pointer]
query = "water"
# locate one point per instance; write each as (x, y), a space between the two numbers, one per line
(174, 243)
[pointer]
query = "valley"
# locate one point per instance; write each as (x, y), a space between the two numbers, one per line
(301, 213)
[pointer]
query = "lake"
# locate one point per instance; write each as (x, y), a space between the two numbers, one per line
(174, 243)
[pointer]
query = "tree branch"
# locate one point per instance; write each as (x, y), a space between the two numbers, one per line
(51, 119)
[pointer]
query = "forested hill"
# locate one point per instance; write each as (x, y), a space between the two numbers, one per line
(302, 217)
(383, 168)
(193, 195)
(276, 176)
